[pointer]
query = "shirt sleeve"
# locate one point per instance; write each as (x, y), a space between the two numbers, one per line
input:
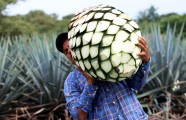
(77, 98)
(138, 81)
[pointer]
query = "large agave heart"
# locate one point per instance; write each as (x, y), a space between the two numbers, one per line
(103, 42)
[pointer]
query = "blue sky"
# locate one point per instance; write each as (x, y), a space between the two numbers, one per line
(65, 7)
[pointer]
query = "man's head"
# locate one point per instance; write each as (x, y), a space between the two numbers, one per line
(62, 44)
(61, 38)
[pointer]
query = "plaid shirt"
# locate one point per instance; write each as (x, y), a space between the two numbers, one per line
(106, 100)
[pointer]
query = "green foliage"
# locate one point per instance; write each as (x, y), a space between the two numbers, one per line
(16, 26)
(63, 24)
(42, 22)
(48, 68)
(33, 22)
(173, 19)
(13, 79)
(168, 73)
(167, 57)
(32, 74)
(4, 3)
(148, 15)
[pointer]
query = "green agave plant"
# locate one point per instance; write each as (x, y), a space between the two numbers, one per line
(32, 77)
(13, 80)
(168, 56)
(168, 73)
(49, 69)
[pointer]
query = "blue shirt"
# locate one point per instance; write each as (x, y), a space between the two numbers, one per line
(106, 100)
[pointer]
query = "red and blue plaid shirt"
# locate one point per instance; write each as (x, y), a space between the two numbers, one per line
(106, 100)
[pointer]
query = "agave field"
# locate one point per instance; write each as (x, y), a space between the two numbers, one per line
(32, 73)
(164, 96)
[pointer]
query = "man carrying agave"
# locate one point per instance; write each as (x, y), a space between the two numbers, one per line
(112, 60)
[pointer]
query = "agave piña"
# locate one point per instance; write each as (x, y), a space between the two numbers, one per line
(103, 41)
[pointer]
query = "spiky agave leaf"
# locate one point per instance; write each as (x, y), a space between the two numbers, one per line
(167, 73)
(32, 75)
(49, 68)
(103, 41)
(14, 82)
(167, 58)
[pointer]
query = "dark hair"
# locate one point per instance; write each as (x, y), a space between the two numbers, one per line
(60, 40)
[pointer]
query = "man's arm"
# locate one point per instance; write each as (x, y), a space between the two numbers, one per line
(79, 103)
(139, 79)
(90, 80)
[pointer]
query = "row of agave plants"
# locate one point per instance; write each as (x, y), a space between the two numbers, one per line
(164, 96)
(32, 74)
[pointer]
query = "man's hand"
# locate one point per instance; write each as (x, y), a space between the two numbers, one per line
(144, 54)
(82, 114)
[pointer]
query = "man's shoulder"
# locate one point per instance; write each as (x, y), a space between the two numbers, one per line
(72, 75)
(73, 72)
(75, 76)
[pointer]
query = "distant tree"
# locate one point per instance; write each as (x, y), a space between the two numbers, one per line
(152, 14)
(8, 24)
(148, 15)
(64, 23)
(15, 25)
(41, 21)
(5, 3)
(173, 19)
(34, 21)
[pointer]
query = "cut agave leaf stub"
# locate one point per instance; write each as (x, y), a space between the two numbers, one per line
(104, 40)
